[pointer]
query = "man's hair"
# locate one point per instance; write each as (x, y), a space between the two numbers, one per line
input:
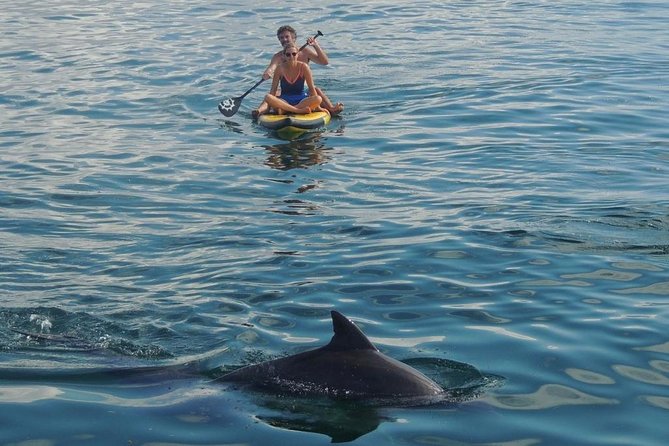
(287, 28)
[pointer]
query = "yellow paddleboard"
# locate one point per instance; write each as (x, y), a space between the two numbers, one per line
(291, 126)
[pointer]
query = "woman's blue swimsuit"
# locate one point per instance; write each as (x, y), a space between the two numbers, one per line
(293, 92)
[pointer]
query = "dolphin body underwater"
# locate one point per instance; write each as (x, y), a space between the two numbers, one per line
(349, 367)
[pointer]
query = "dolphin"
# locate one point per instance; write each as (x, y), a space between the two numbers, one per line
(349, 367)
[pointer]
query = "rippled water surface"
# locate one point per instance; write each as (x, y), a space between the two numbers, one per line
(492, 206)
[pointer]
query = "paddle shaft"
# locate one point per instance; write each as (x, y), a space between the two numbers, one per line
(263, 79)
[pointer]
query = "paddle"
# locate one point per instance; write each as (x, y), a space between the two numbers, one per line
(230, 106)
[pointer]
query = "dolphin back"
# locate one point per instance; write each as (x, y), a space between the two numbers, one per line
(350, 366)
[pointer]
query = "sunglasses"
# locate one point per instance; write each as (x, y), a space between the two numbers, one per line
(290, 54)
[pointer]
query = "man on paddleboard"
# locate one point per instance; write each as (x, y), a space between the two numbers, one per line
(313, 51)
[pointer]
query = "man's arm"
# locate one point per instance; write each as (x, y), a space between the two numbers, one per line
(316, 53)
(269, 71)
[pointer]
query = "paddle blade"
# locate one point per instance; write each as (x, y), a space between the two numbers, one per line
(230, 106)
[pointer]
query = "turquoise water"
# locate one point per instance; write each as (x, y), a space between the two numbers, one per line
(494, 194)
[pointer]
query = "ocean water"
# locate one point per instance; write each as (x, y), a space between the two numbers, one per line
(492, 207)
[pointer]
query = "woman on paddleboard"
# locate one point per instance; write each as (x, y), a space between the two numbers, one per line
(311, 53)
(293, 75)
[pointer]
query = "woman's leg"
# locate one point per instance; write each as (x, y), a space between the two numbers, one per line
(261, 110)
(310, 103)
(305, 105)
(279, 104)
(327, 103)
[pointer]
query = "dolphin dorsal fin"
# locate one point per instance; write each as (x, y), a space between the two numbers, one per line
(347, 336)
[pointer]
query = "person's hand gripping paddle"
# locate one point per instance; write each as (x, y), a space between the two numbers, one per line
(230, 106)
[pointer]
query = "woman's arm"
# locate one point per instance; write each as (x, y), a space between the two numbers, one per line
(275, 80)
(309, 79)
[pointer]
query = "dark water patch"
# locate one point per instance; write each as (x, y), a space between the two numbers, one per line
(53, 328)
(627, 231)
(62, 17)
(370, 287)
(23, 55)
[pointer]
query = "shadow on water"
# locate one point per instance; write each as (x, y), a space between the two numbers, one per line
(310, 150)
(231, 126)
(80, 363)
(342, 421)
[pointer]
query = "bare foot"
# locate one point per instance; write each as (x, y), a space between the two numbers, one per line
(321, 109)
(304, 111)
(338, 108)
(261, 110)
